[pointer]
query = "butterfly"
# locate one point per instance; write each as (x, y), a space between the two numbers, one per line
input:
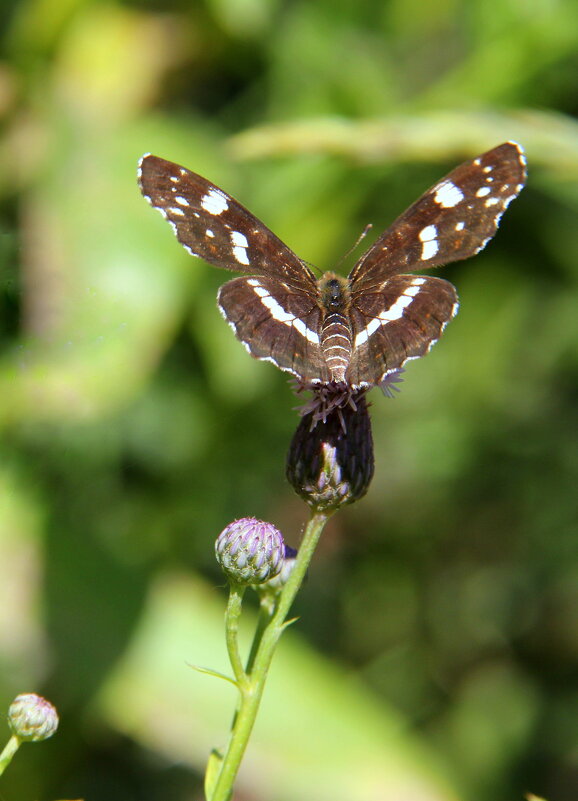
(349, 332)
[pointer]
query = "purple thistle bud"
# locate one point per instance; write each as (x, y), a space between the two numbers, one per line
(330, 460)
(250, 551)
(275, 584)
(32, 717)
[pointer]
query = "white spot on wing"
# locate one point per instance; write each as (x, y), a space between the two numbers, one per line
(430, 246)
(414, 287)
(239, 239)
(395, 311)
(214, 202)
(279, 314)
(309, 335)
(240, 255)
(182, 201)
(428, 233)
(364, 335)
(483, 191)
(247, 347)
(240, 247)
(448, 195)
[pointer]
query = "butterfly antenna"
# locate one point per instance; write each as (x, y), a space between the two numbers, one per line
(356, 244)
(361, 237)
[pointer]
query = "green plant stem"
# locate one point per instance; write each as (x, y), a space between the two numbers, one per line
(12, 746)
(232, 629)
(265, 614)
(252, 683)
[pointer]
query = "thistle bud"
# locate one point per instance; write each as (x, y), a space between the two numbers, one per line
(32, 717)
(275, 584)
(330, 460)
(250, 551)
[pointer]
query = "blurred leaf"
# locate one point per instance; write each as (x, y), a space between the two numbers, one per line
(550, 139)
(24, 659)
(246, 18)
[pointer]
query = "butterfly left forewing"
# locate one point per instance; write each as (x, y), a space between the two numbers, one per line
(211, 224)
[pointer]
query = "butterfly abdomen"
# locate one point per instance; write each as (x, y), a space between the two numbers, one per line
(336, 337)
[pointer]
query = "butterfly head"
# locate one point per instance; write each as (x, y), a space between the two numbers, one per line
(334, 292)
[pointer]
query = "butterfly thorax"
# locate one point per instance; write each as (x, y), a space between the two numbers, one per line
(336, 340)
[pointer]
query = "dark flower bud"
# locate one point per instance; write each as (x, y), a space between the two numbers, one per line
(330, 461)
(250, 551)
(32, 717)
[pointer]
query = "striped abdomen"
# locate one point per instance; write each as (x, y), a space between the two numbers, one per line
(336, 344)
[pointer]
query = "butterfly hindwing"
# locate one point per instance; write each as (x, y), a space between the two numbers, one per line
(401, 321)
(276, 323)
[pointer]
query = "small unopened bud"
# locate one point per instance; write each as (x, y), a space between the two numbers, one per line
(275, 584)
(250, 551)
(330, 460)
(32, 717)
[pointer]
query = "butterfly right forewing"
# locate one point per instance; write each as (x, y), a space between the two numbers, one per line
(453, 220)
(395, 317)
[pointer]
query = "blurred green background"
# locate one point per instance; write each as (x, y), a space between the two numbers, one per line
(436, 655)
